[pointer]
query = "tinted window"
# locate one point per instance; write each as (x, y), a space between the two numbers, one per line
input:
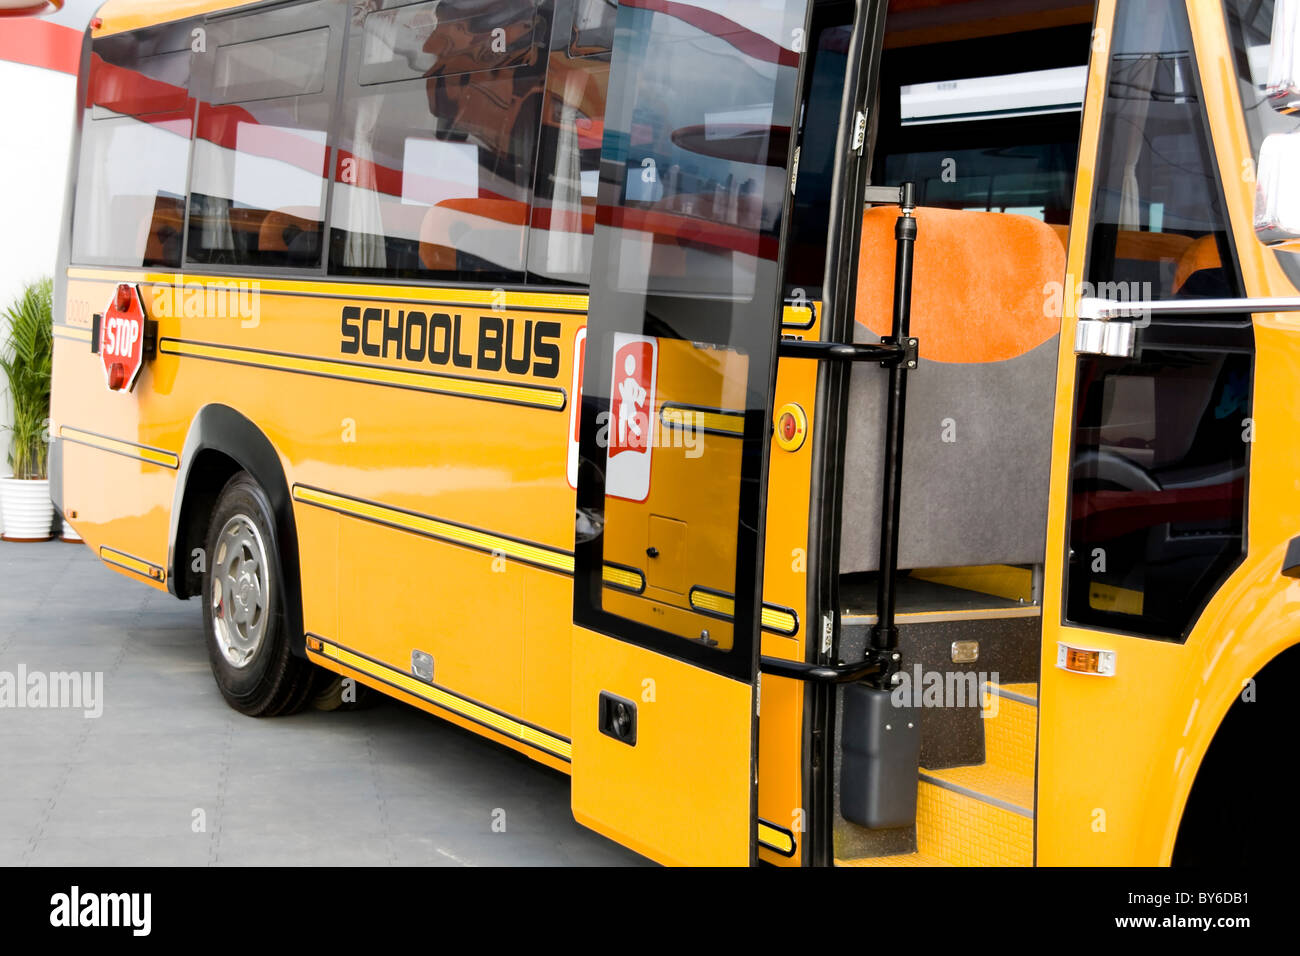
(819, 128)
(1159, 459)
(435, 164)
(257, 191)
(702, 160)
(135, 141)
(445, 38)
(1158, 213)
(271, 68)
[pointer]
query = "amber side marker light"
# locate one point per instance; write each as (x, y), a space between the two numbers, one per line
(1083, 660)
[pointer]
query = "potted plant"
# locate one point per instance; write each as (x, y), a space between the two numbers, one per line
(27, 359)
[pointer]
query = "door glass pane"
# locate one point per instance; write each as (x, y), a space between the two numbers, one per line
(1161, 440)
(683, 321)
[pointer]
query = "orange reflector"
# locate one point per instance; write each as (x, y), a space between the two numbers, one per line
(315, 644)
(1084, 660)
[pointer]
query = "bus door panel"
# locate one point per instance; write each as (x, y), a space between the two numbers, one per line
(675, 424)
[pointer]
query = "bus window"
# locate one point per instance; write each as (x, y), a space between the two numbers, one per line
(1158, 471)
(568, 166)
(981, 139)
(130, 197)
(593, 27)
(257, 191)
(705, 166)
(1159, 224)
(438, 140)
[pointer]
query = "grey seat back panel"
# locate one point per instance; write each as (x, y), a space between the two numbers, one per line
(976, 457)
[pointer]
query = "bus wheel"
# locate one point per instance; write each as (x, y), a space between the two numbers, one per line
(243, 612)
(336, 692)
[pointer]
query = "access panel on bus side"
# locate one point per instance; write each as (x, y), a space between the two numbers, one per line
(675, 423)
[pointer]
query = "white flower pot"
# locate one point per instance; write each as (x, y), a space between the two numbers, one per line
(69, 533)
(27, 510)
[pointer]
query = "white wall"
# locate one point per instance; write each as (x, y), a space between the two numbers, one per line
(36, 107)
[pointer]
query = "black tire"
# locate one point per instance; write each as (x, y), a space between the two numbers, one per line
(268, 679)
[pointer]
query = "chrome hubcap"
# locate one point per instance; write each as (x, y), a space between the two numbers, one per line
(241, 591)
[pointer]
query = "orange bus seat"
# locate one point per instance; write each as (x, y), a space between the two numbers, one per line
(1203, 253)
(458, 224)
(986, 308)
(281, 229)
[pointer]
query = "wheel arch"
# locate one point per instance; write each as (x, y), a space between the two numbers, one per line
(220, 442)
(1229, 786)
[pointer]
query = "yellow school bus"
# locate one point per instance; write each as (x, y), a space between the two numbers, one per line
(830, 431)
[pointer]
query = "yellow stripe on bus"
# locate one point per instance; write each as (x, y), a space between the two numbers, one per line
(775, 838)
(536, 396)
(434, 528)
(629, 579)
(131, 563)
(778, 619)
(72, 332)
(452, 702)
(626, 578)
(131, 449)
(688, 418)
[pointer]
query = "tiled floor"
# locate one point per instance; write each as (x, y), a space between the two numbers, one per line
(168, 774)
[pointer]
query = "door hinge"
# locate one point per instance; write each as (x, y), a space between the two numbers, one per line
(860, 132)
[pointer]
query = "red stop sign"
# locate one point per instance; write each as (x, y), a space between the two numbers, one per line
(121, 338)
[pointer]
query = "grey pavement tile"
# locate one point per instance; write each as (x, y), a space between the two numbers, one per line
(21, 817)
(386, 784)
(121, 816)
(192, 849)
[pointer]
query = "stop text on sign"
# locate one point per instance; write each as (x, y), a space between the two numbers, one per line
(120, 336)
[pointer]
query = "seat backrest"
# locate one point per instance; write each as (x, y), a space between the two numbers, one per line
(281, 228)
(986, 307)
(1203, 253)
(492, 229)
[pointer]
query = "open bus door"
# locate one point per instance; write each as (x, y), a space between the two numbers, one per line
(679, 371)
(687, 293)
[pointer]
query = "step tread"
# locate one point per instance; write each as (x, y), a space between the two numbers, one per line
(965, 831)
(902, 859)
(988, 783)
